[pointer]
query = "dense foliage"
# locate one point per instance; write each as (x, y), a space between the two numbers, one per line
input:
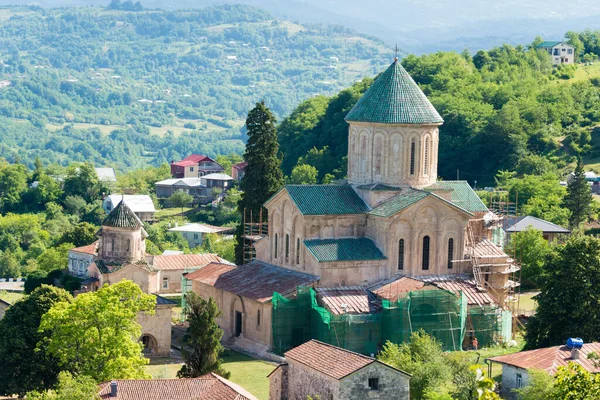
(127, 87)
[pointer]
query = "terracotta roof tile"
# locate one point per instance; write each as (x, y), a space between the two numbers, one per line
(550, 358)
(348, 300)
(395, 288)
(468, 287)
(183, 261)
(206, 387)
(91, 249)
(486, 248)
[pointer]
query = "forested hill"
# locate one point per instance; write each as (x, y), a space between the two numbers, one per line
(126, 89)
(505, 109)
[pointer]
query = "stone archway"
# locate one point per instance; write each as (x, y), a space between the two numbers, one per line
(150, 344)
(237, 314)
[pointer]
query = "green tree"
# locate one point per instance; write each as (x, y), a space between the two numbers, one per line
(227, 161)
(263, 175)
(26, 362)
(539, 387)
(13, 184)
(575, 383)
(180, 199)
(531, 249)
(82, 234)
(422, 357)
(575, 41)
(569, 294)
(579, 197)
(55, 257)
(69, 387)
(304, 174)
(202, 339)
(214, 243)
(96, 334)
(82, 180)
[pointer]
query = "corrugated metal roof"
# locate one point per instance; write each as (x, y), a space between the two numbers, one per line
(522, 223)
(136, 202)
(348, 300)
(258, 281)
(394, 98)
(462, 195)
(200, 228)
(217, 177)
(394, 288)
(106, 174)
(550, 358)
(91, 249)
(326, 199)
(344, 249)
(210, 273)
(485, 248)
(183, 261)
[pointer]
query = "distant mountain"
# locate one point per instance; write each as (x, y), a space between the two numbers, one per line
(419, 26)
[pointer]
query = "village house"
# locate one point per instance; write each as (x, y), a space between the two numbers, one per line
(194, 233)
(516, 366)
(550, 231)
(324, 371)
(3, 307)
(191, 186)
(141, 204)
(389, 221)
(195, 166)
(80, 258)
(239, 170)
(561, 52)
(206, 387)
(219, 181)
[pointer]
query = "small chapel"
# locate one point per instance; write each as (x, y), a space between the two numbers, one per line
(389, 230)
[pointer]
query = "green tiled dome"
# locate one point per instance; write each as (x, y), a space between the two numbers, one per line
(122, 217)
(394, 98)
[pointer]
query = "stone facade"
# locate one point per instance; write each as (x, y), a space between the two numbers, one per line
(392, 154)
(156, 331)
(122, 245)
(278, 383)
(391, 384)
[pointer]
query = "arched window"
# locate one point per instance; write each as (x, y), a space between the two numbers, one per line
(426, 163)
(287, 247)
(450, 252)
(413, 146)
(275, 249)
(378, 155)
(426, 252)
(400, 254)
(298, 251)
(128, 245)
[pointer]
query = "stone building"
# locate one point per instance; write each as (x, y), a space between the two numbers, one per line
(327, 372)
(3, 307)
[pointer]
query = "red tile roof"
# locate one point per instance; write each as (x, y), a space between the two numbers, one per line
(392, 290)
(210, 273)
(348, 300)
(473, 295)
(182, 261)
(241, 166)
(197, 158)
(88, 249)
(185, 163)
(206, 387)
(550, 358)
(258, 281)
(330, 360)
(485, 248)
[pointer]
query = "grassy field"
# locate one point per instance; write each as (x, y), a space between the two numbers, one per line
(247, 372)
(526, 302)
(170, 212)
(587, 72)
(10, 297)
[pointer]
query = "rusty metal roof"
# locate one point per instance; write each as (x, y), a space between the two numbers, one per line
(348, 300)
(394, 288)
(210, 273)
(258, 280)
(331, 360)
(183, 261)
(550, 358)
(91, 249)
(468, 287)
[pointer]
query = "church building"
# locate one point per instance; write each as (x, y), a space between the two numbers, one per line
(391, 225)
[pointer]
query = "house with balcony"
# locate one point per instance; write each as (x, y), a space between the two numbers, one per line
(194, 166)
(561, 52)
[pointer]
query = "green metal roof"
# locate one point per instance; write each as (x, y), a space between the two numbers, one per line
(462, 195)
(346, 249)
(399, 202)
(394, 98)
(326, 199)
(548, 43)
(122, 217)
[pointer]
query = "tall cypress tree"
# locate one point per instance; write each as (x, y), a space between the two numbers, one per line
(263, 175)
(579, 197)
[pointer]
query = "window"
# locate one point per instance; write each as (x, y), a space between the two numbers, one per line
(556, 52)
(258, 319)
(191, 169)
(165, 283)
(400, 254)
(287, 247)
(564, 49)
(450, 252)
(195, 236)
(570, 51)
(426, 253)
(412, 157)
(275, 250)
(373, 383)
(112, 244)
(298, 251)
(426, 163)
(519, 381)
(128, 245)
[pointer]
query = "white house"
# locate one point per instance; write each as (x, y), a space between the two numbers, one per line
(561, 52)
(141, 204)
(80, 258)
(194, 233)
(106, 174)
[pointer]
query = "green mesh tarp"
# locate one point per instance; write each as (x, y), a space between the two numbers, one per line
(507, 324)
(440, 313)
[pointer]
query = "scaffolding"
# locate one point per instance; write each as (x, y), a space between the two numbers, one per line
(255, 227)
(440, 313)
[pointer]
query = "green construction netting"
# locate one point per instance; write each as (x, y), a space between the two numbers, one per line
(440, 313)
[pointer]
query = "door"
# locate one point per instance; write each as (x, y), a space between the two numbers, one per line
(238, 323)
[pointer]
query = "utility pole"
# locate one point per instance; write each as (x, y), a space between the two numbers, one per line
(457, 175)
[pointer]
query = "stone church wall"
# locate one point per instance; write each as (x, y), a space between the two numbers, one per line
(158, 326)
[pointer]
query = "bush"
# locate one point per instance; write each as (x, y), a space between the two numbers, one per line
(36, 279)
